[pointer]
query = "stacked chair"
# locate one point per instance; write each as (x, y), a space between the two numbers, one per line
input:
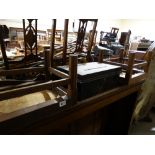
(30, 55)
(133, 69)
(22, 91)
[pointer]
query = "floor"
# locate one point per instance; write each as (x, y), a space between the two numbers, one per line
(144, 128)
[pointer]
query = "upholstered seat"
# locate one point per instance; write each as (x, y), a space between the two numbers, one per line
(18, 103)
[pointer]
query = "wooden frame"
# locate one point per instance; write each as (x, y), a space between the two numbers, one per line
(81, 35)
(15, 88)
(65, 45)
(30, 42)
(76, 111)
(42, 119)
(132, 75)
(66, 79)
(109, 36)
(30, 36)
(23, 89)
(79, 42)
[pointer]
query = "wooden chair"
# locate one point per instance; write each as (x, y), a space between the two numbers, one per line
(122, 38)
(114, 32)
(18, 98)
(122, 50)
(30, 39)
(31, 56)
(80, 38)
(108, 37)
(69, 48)
(59, 55)
(130, 66)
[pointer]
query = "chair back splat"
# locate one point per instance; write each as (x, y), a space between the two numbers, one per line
(81, 36)
(30, 37)
(30, 57)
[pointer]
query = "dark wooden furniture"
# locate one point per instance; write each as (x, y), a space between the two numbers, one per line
(114, 31)
(93, 78)
(30, 37)
(11, 91)
(30, 51)
(61, 56)
(106, 113)
(81, 35)
(109, 36)
(130, 65)
(108, 40)
(58, 51)
(123, 38)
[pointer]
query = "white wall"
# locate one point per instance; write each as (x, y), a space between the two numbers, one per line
(11, 22)
(140, 27)
(43, 24)
(107, 24)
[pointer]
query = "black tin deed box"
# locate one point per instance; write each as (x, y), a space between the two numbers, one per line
(94, 78)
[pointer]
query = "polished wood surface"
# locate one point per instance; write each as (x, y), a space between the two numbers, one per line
(108, 111)
(47, 121)
(56, 121)
(13, 99)
(44, 120)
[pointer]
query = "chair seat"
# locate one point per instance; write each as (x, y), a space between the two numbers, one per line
(18, 103)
